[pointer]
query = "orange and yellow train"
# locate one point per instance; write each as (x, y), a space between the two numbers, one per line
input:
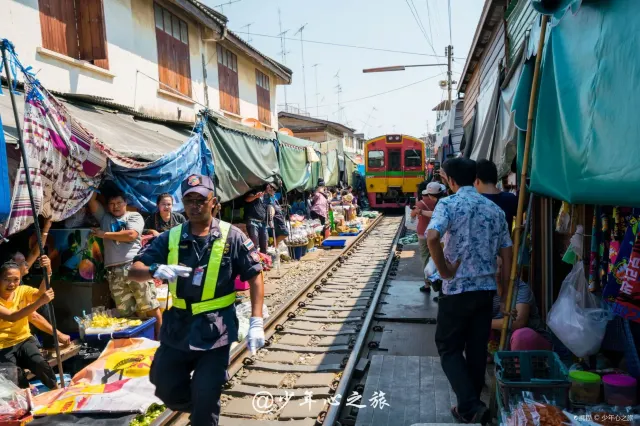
(394, 167)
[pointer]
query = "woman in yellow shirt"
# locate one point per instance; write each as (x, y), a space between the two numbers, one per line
(17, 302)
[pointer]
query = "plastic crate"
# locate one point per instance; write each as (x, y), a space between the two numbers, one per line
(334, 243)
(349, 234)
(146, 329)
(539, 372)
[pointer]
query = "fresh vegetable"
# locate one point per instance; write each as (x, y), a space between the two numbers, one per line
(153, 412)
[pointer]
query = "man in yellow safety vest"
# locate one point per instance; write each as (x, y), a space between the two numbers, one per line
(200, 259)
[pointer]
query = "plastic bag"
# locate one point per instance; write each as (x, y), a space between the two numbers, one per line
(431, 272)
(14, 403)
(410, 222)
(578, 318)
(243, 312)
(526, 411)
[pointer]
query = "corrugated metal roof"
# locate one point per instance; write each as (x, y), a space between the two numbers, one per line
(123, 132)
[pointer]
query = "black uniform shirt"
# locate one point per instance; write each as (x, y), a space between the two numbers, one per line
(256, 209)
(210, 330)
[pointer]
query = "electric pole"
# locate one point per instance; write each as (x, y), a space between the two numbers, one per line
(304, 80)
(449, 51)
(315, 69)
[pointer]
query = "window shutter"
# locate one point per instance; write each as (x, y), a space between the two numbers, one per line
(91, 31)
(58, 26)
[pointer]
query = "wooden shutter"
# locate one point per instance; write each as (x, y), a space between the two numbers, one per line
(228, 80)
(264, 97)
(91, 32)
(172, 37)
(58, 26)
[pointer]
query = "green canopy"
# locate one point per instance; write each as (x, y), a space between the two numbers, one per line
(295, 169)
(330, 170)
(243, 157)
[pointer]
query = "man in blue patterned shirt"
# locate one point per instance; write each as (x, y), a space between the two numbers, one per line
(474, 231)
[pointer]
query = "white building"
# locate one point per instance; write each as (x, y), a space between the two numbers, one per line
(165, 59)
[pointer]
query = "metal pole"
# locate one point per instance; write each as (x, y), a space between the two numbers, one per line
(449, 54)
(33, 210)
(523, 175)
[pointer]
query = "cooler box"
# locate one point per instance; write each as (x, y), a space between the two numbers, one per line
(241, 285)
(334, 243)
(146, 329)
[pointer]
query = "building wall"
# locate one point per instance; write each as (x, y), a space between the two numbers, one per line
(490, 59)
(133, 61)
(519, 20)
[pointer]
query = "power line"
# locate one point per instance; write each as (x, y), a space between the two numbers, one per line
(429, 20)
(327, 43)
(384, 93)
(416, 17)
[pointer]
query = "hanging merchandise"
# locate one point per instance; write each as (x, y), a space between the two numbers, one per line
(594, 254)
(627, 303)
(578, 318)
(623, 236)
(563, 222)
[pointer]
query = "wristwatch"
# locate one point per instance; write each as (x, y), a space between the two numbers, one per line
(153, 268)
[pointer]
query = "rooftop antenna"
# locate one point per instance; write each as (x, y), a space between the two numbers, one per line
(315, 69)
(304, 80)
(222, 5)
(283, 52)
(338, 88)
(248, 27)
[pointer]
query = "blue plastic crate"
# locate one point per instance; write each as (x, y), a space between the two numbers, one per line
(146, 329)
(42, 388)
(349, 234)
(539, 372)
(334, 243)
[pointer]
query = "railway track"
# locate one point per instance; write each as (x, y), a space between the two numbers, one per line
(314, 341)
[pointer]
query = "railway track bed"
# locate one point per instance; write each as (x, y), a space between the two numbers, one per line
(313, 342)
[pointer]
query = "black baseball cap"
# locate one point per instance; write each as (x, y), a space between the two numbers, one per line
(200, 184)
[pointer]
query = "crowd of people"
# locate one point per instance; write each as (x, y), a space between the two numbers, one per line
(465, 229)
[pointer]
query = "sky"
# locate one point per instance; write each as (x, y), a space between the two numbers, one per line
(381, 24)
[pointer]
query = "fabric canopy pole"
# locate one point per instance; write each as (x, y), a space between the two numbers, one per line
(6, 45)
(523, 179)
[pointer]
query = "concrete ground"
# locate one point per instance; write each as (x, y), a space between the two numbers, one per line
(405, 364)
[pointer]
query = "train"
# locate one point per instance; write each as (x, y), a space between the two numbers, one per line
(394, 167)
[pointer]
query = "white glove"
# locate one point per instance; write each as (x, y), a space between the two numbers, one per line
(255, 336)
(171, 272)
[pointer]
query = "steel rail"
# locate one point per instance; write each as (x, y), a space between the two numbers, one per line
(335, 410)
(236, 362)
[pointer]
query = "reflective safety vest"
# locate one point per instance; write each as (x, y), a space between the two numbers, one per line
(208, 302)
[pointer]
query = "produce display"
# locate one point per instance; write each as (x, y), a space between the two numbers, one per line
(147, 418)
(105, 321)
(530, 413)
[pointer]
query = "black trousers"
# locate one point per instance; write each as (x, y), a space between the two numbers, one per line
(180, 391)
(464, 325)
(315, 215)
(27, 355)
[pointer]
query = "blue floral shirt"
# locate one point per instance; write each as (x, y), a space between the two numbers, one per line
(474, 230)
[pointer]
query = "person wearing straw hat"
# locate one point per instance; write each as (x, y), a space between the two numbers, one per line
(200, 259)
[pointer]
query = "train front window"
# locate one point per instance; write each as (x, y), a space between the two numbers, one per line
(412, 158)
(395, 164)
(376, 158)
